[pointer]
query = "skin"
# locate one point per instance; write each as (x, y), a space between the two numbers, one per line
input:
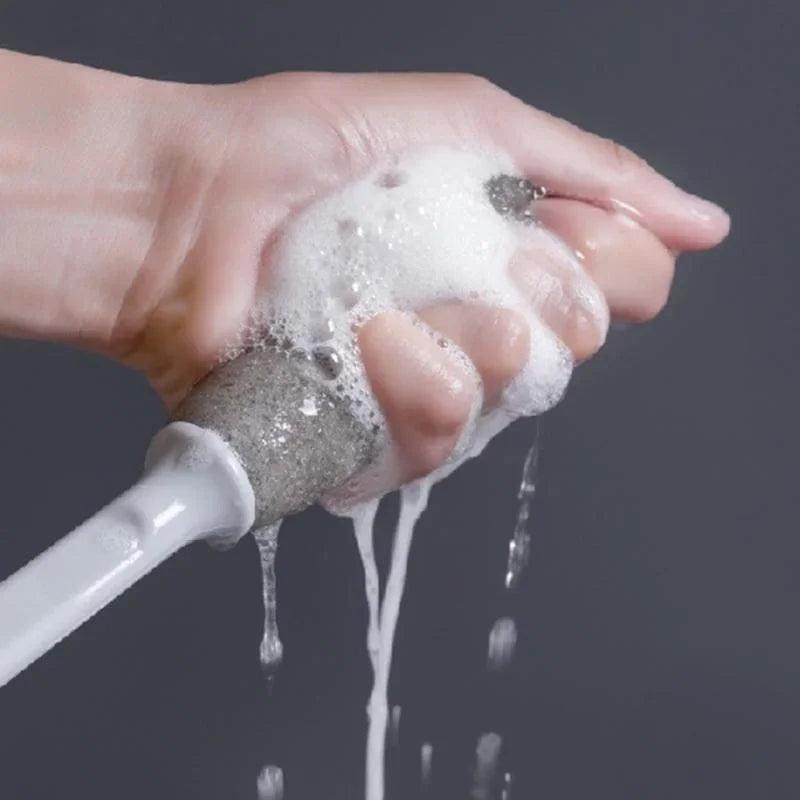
(139, 218)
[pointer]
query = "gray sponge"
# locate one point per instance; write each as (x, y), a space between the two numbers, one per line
(295, 438)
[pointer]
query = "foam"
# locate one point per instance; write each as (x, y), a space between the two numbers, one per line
(415, 230)
(431, 225)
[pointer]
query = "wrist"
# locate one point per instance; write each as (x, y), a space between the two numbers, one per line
(101, 180)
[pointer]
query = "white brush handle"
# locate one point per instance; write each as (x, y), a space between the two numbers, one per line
(193, 487)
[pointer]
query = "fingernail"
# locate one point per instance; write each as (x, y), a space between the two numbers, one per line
(705, 211)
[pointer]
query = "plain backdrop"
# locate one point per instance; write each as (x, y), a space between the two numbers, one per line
(658, 654)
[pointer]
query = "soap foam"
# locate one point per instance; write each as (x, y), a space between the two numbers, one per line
(421, 228)
(415, 230)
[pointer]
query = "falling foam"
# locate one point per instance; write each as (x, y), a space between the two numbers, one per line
(363, 523)
(413, 499)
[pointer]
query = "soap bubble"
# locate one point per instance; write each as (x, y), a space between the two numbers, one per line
(329, 361)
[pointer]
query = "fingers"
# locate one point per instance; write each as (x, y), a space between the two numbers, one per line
(379, 114)
(563, 296)
(496, 340)
(425, 391)
(631, 267)
(573, 163)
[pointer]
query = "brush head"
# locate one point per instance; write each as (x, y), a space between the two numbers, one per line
(295, 439)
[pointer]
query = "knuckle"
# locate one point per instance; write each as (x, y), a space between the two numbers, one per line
(353, 137)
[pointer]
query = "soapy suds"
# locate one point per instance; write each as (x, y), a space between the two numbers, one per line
(416, 230)
(413, 499)
(363, 522)
(431, 225)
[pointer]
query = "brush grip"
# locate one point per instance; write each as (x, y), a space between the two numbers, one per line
(192, 487)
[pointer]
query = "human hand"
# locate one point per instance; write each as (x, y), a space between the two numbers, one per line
(236, 162)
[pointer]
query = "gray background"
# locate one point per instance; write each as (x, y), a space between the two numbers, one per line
(659, 649)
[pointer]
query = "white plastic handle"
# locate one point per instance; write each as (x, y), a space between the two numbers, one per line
(193, 487)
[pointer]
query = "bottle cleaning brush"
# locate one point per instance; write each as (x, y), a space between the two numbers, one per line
(260, 438)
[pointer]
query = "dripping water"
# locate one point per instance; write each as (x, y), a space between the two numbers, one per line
(426, 765)
(270, 783)
(520, 545)
(394, 726)
(381, 627)
(503, 634)
(502, 643)
(487, 755)
(271, 650)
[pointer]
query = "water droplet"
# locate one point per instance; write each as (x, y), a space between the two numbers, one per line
(271, 650)
(394, 726)
(426, 763)
(487, 754)
(505, 792)
(270, 783)
(502, 644)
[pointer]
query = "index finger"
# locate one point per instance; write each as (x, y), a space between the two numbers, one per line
(388, 111)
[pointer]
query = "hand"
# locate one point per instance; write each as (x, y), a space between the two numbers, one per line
(242, 159)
